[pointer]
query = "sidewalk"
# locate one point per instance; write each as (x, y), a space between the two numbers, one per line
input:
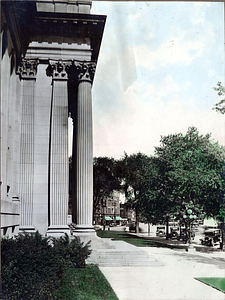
(172, 281)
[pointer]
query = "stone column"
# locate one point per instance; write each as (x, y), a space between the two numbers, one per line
(27, 72)
(84, 150)
(58, 152)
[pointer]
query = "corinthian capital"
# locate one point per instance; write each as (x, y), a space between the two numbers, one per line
(28, 68)
(86, 70)
(58, 70)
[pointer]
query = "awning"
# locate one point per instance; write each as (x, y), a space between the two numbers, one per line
(118, 218)
(108, 218)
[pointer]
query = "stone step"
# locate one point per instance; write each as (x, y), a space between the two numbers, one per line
(123, 259)
(115, 255)
(129, 264)
(136, 257)
(119, 253)
(105, 246)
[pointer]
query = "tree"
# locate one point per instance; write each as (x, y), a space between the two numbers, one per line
(154, 191)
(105, 180)
(220, 106)
(193, 173)
(131, 171)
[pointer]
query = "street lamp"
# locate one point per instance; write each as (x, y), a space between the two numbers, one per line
(190, 218)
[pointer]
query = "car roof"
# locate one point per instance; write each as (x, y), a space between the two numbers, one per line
(212, 230)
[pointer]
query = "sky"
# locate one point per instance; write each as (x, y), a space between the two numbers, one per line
(156, 70)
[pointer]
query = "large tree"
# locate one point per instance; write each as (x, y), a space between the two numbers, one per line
(193, 173)
(154, 190)
(105, 180)
(132, 169)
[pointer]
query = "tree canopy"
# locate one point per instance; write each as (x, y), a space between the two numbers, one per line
(131, 170)
(193, 172)
(104, 178)
(186, 172)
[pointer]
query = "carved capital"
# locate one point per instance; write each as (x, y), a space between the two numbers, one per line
(81, 71)
(86, 70)
(58, 70)
(28, 68)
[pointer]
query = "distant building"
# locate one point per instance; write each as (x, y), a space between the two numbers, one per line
(109, 212)
(127, 213)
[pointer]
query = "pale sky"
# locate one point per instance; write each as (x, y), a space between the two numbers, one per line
(157, 67)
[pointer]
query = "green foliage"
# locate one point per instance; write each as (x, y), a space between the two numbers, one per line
(220, 106)
(73, 252)
(193, 173)
(131, 172)
(105, 180)
(30, 269)
(143, 179)
(186, 172)
(32, 266)
(85, 284)
(132, 169)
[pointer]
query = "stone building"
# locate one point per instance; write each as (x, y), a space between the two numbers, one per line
(49, 51)
(109, 212)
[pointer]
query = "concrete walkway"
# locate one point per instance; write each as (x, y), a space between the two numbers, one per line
(174, 280)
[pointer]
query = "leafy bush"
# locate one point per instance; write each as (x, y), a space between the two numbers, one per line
(32, 266)
(74, 252)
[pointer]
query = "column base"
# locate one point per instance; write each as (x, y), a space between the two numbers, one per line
(87, 237)
(85, 233)
(28, 229)
(84, 229)
(58, 230)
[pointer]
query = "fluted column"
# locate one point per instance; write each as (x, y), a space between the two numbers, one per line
(27, 72)
(84, 150)
(58, 151)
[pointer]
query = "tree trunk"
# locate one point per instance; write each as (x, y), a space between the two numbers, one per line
(148, 229)
(137, 221)
(167, 228)
(222, 245)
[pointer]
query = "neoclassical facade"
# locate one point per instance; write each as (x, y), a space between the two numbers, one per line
(48, 61)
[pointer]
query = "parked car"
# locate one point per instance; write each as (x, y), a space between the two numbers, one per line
(161, 231)
(112, 224)
(212, 237)
(132, 226)
(174, 232)
(97, 227)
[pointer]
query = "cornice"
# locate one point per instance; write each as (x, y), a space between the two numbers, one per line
(70, 25)
(26, 24)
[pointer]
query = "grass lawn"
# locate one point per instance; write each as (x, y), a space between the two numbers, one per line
(216, 282)
(123, 236)
(85, 284)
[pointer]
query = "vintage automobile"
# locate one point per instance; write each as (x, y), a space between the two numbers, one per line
(161, 231)
(174, 232)
(212, 237)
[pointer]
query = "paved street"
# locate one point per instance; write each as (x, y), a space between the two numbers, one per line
(174, 280)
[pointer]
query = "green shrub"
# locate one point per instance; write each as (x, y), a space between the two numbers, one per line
(74, 252)
(32, 266)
